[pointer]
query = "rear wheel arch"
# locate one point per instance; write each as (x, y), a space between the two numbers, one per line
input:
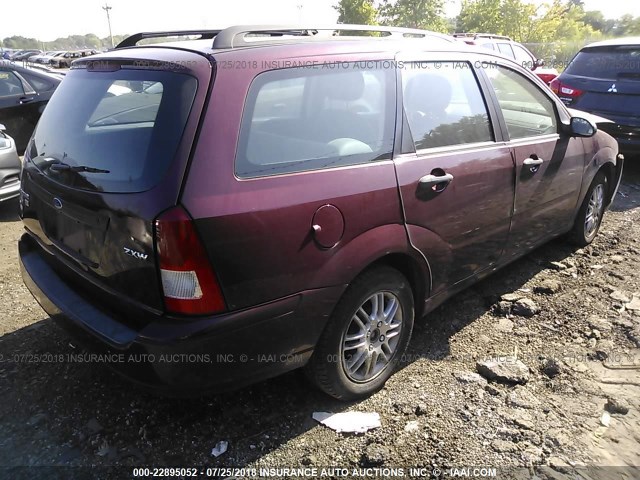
(418, 276)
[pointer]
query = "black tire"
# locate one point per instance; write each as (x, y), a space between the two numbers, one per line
(327, 368)
(581, 235)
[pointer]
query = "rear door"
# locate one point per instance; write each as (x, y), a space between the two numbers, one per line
(455, 177)
(549, 164)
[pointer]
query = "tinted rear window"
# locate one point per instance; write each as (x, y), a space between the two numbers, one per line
(607, 62)
(125, 123)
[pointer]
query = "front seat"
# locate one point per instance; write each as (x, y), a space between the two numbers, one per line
(336, 119)
(426, 98)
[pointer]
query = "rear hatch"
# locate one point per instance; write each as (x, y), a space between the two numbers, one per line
(108, 156)
(608, 82)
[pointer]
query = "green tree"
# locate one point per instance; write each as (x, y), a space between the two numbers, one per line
(627, 25)
(525, 22)
(426, 14)
(595, 19)
(501, 17)
(18, 41)
(359, 12)
(481, 16)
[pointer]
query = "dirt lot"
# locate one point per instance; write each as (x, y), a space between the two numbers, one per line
(581, 346)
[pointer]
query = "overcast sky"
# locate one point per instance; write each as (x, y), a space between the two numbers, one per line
(50, 19)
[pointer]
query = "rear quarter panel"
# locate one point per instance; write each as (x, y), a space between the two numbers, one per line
(258, 232)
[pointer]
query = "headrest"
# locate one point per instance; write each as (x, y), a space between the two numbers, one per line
(346, 86)
(427, 92)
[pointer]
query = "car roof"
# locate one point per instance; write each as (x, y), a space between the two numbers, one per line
(258, 36)
(615, 42)
(286, 42)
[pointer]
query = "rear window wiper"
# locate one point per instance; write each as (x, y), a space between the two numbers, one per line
(65, 167)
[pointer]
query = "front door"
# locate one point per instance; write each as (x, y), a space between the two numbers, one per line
(17, 108)
(549, 163)
(456, 181)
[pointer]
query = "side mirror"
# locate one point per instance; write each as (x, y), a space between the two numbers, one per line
(2, 127)
(581, 127)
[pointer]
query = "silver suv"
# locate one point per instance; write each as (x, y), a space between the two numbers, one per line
(514, 50)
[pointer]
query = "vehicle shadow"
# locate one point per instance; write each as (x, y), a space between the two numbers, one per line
(431, 338)
(9, 211)
(84, 414)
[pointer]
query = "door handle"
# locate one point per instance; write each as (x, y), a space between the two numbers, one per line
(436, 179)
(25, 100)
(532, 162)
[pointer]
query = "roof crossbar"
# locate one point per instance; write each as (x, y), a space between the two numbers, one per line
(238, 36)
(481, 35)
(248, 35)
(133, 40)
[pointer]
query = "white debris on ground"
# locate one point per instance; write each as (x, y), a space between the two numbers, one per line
(351, 422)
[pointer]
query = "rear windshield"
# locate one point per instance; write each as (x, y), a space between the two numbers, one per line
(116, 131)
(607, 62)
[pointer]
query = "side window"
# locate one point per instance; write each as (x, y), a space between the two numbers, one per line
(523, 57)
(39, 84)
(488, 45)
(505, 49)
(10, 84)
(526, 109)
(279, 99)
(444, 105)
(302, 119)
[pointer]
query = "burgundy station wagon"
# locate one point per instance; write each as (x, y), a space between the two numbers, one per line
(266, 198)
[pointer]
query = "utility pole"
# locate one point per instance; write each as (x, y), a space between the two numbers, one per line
(106, 8)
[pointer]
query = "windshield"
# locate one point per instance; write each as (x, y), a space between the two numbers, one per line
(607, 62)
(122, 128)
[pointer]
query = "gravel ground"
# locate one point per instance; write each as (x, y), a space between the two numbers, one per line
(572, 317)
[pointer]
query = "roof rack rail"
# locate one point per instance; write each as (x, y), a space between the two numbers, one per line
(133, 40)
(481, 35)
(237, 36)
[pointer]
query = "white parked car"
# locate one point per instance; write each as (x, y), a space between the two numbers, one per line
(46, 58)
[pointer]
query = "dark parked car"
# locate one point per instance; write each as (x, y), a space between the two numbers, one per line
(604, 79)
(23, 55)
(267, 198)
(514, 50)
(9, 167)
(24, 92)
(5, 53)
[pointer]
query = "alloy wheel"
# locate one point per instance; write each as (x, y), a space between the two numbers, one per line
(371, 339)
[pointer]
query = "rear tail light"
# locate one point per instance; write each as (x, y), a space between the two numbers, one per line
(547, 77)
(189, 283)
(564, 90)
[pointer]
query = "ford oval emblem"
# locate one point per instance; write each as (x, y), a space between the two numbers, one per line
(57, 203)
